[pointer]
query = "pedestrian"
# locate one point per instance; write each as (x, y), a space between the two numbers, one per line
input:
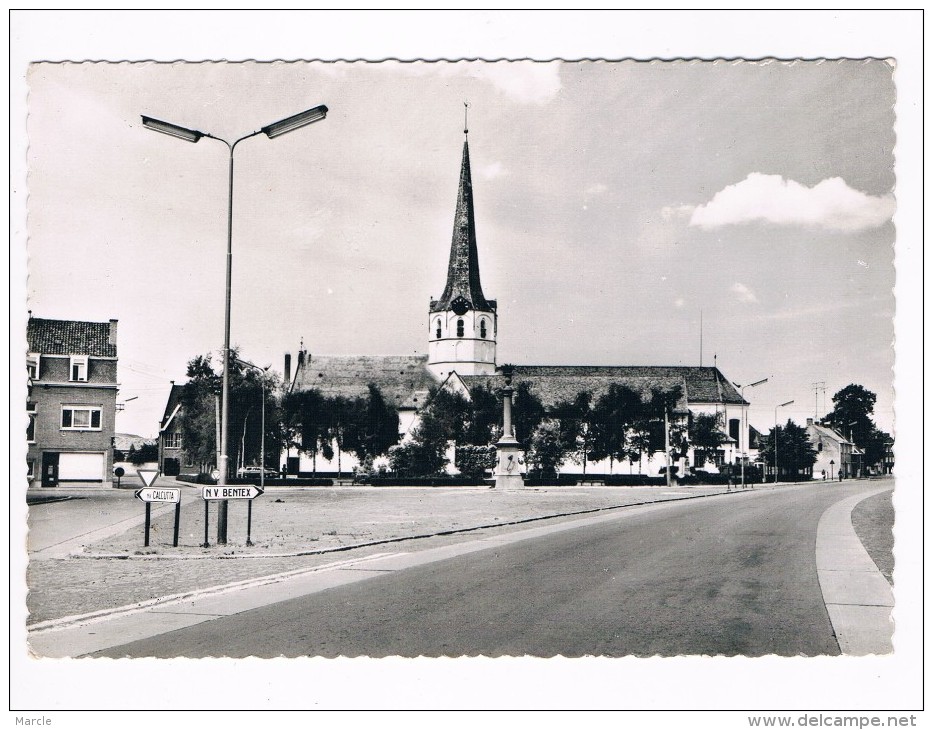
(840, 475)
(824, 475)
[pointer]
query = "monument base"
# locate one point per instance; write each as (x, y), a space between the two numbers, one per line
(508, 465)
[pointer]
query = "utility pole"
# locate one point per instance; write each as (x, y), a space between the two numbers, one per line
(817, 387)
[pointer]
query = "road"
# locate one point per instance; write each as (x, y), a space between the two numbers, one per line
(711, 576)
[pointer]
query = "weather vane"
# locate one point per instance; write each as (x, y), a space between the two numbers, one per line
(466, 127)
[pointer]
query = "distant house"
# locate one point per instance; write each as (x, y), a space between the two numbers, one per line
(835, 454)
(403, 380)
(171, 452)
(71, 402)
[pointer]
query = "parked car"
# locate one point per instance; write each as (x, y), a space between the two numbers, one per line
(248, 472)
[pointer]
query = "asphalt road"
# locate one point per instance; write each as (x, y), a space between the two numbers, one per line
(712, 576)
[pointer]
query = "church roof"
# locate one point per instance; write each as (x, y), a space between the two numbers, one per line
(463, 268)
(556, 383)
(403, 380)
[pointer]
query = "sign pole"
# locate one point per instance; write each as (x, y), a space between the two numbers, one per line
(249, 522)
(206, 515)
(177, 520)
(148, 512)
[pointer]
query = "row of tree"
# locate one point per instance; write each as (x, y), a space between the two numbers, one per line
(621, 425)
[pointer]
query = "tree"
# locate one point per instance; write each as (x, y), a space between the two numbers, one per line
(706, 434)
(612, 425)
(853, 407)
(307, 424)
(548, 447)
(527, 413)
(443, 419)
(199, 412)
(199, 417)
(795, 453)
(576, 426)
(147, 452)
(482, 427)
(370, 425)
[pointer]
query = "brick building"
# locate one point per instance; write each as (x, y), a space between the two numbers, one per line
(71, 402)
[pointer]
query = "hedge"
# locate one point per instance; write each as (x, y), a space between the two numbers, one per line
(432, 481)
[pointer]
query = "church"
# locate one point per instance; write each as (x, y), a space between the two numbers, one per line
(462, 329)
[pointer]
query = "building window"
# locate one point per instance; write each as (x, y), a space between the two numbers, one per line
(819, 446)
(459, 328)
(79, 368)
(173, 440)
(32, 366)
(31, 428)
(30, 469)
(734, 429)
(76, 418)
(437, 331)
(482, 328)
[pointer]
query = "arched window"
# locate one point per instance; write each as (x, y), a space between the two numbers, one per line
(482, 328)
(819, 446)
(438, 330)
(459, 328)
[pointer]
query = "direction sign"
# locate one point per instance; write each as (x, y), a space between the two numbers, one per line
(148, 476)
(158, 494)
(245, 491)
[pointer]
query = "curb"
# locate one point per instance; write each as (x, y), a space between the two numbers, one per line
(858, 598)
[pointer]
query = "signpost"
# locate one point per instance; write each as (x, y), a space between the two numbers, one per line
(224, 491)
(150, 494)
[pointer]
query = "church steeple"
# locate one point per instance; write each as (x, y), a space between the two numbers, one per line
(462, 324)
(463, 267)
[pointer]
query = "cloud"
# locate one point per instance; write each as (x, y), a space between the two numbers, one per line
(492, 170)
(523, 81)
(597, 189)
(829, 204)
(527, 82)
(679, 302)
(743, 293)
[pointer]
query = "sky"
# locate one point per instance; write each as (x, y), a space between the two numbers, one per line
(618, 204)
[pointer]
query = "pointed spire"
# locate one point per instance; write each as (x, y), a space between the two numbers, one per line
(463, 269)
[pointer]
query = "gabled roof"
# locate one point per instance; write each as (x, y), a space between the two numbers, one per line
(827, 432)
(555, 383)
(463, 268)
(404, 380)
(172, 405)
(67, 337)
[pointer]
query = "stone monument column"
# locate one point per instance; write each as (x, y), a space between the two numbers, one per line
(508, 452)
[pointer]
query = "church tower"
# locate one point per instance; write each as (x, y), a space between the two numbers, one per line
(462, 324)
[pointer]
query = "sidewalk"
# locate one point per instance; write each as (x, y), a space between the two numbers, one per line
(291, 529)
(297, 529)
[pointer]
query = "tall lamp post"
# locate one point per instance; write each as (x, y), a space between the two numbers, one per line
(276, 129)
(776, 438)
(745, 422)
(262, 447)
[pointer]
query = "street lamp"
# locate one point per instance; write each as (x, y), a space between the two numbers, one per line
(776, 438)
(262, 447)
(851, 470)
(276, 129)
(745, 422)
